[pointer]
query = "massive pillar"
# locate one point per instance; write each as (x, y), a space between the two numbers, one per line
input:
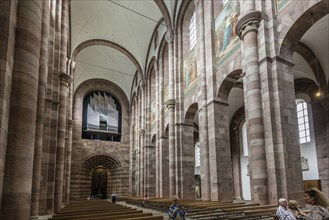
(247, 30)
(65, 81)
(43, 70)
(170, 103)
(7, 45)
(17, 183)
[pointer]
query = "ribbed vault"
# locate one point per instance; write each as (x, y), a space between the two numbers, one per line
(101, 160)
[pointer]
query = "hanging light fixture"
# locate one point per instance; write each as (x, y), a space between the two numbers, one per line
(318, 93)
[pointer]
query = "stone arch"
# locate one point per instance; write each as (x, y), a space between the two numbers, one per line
(314, 63)
(150, 68)
(307, 86)
(111, 44)
(107, 161)
(153, 139)
(228, 83)
(190, 113)
(302, 23)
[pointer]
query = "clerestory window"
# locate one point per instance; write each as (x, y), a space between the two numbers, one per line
(303, 121)
(192, 32)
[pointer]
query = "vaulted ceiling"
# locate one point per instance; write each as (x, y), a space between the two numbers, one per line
(110, 38)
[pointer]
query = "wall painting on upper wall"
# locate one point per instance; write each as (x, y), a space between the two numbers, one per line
(226, 39)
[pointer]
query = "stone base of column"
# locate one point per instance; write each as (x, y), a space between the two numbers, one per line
(34, 217)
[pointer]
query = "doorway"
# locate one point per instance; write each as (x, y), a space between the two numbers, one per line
(99, 183)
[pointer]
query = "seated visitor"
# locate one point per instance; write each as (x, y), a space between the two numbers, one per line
(176, 211)
(293, 206)
(282, 212)
(145, 200)
(319, 203)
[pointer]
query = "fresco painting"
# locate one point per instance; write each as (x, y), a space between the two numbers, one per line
(225, 37)
(190, 69)
(153, 111)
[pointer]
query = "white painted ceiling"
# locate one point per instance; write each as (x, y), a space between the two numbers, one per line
(317, 39)
(128, 23)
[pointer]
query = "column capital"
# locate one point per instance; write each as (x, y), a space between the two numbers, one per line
(248, 22)
(65, 79)
(170, 103)
(170, 37)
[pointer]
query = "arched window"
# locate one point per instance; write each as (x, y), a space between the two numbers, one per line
(192, 31)
(303, 121)
(101, 117)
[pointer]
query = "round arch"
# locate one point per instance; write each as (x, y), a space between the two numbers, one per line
(110, 44)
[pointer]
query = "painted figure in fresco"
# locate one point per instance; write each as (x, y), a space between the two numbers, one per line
(187, 76)
(227, 33)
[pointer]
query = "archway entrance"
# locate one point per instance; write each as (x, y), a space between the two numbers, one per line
(99, 183)
(103, 174)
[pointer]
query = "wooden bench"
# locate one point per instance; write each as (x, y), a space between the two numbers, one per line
(101, 210)
(93, 213)
(107, 216)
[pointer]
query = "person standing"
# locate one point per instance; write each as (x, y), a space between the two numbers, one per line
(114, 197)
(319, 203)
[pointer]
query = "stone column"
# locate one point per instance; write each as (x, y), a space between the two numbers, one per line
(43, 71)
(235, 145)
(7, 45)
(55, 32)
(170, 104)
(203, 115)
(247, 29)
(158, 128)
(141, 162)
(68, 160)
(132, 157)
(65, 81)
(17, 183)
(71, 68)
(163, 167)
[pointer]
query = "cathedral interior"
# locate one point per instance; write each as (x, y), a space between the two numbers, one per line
(214, 100)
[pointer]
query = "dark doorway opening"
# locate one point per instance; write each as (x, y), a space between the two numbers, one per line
(99, 183)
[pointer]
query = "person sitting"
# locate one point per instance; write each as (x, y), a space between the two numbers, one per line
(293, 206)
(145, 200)
(319, 203)
(282, 212)
(176, 211)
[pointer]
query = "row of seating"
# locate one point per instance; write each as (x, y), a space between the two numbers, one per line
(101, 210)
(212, 209)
